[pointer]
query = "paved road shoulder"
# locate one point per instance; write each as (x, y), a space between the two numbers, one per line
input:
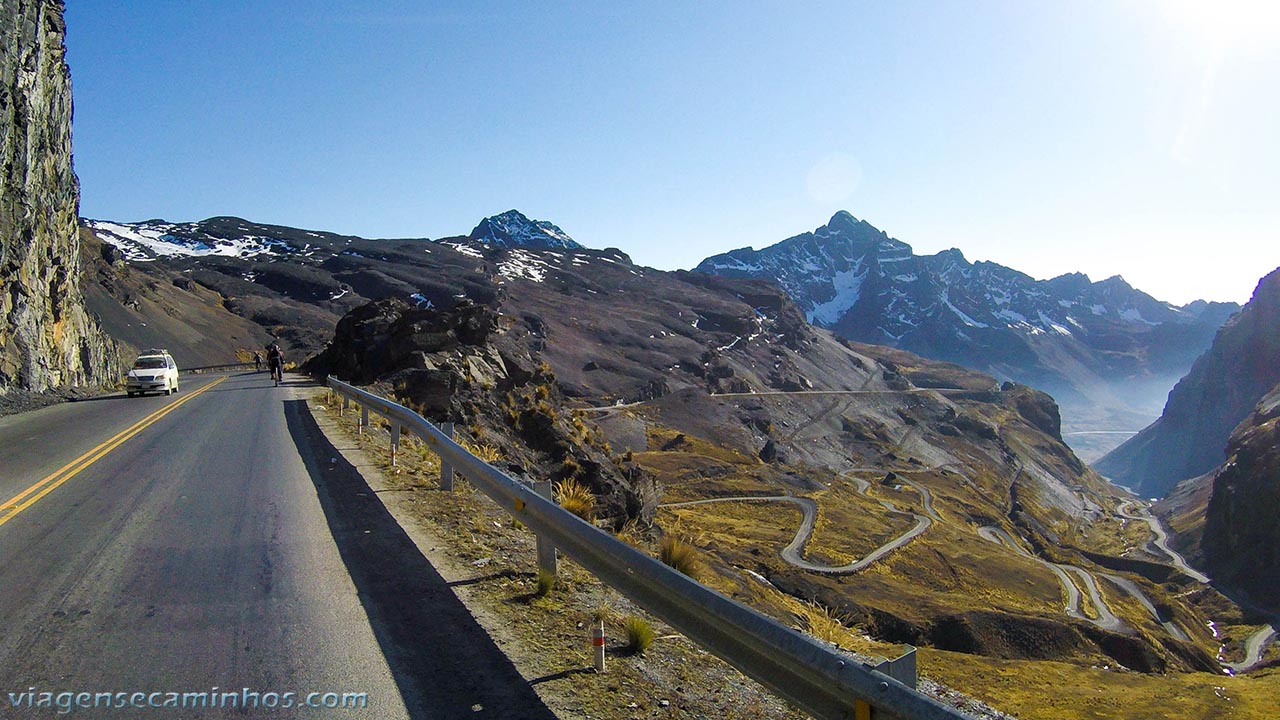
(432, 640)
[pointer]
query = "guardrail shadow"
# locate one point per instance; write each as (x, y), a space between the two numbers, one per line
(444, 663)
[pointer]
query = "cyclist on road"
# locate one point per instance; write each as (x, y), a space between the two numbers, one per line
(257, 362)
(275, 361)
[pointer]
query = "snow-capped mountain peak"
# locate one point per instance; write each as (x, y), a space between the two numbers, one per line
(513, 229)
(1064, 335)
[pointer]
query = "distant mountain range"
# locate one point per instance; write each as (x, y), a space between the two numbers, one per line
(1191, 436)
(1107, 352)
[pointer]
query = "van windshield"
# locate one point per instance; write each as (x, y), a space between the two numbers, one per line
(149, 363)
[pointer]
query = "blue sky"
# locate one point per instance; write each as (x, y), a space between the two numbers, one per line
(1130, 137)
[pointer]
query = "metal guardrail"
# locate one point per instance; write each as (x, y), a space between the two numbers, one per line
(808, 673)
(218, 368)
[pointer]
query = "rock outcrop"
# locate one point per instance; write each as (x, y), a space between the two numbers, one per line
(1221, 390)
(49, 341)
(1241, 541)
(453, 365)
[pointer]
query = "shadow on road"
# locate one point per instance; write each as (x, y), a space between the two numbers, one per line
(444, 663)
(120, 395)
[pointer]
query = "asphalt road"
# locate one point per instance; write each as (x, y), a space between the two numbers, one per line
(212, 549)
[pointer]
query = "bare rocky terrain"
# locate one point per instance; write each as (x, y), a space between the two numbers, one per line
(654, 388)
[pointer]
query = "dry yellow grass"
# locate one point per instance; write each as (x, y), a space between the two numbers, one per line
(1040, 690)
(762, 528)
(681, 555)
(576, 498)
(486, 452)
(822, 622)
(639, 634)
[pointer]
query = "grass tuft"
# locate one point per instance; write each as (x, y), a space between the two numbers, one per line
(639, 634)
(602, 613)
(486, 452)
(679, 554)
(546, 582)
(822, 622)
(577, 498)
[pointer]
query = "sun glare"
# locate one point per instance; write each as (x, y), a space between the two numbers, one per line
(1230, 25)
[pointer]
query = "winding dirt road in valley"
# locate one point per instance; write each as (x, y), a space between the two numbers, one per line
(1106, 619)
(793, 552)
(1162, 539)
(1136, 593)
(1256, 644)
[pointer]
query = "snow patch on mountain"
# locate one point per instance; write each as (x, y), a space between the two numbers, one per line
(141, 242)
(523, 264)
(848, 287)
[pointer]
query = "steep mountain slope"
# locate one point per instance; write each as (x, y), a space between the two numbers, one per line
(1107, 352)
(47, 339)
(1219, 392)
(144, 305)
(1241, 538)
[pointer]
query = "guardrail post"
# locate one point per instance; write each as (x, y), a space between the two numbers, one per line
(395, 441)
(546, 550)
(597, 644)
(446, 469)
(903, 668)
(346, 403)
(364, 419)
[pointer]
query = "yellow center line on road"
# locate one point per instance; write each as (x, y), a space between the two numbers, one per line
(49, 483)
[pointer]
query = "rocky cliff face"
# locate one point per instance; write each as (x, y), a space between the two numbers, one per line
(48, 339)
(1221, 390)
(1241, 539)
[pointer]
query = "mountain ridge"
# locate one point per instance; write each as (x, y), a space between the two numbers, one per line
(513, 228)
(1217, 394)
(1105, 350)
